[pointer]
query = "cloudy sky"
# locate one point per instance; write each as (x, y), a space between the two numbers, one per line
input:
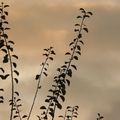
(39, 24)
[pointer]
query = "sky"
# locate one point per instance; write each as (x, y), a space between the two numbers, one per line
(38, 24)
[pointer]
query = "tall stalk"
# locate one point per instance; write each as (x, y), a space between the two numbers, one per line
(59, 88)
(48, 53)
(7, 48)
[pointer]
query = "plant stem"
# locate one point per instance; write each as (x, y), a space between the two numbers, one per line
(38, 85)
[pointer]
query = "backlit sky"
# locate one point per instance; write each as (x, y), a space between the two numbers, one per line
(38, 24)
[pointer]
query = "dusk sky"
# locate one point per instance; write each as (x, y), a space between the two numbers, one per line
(39, 24)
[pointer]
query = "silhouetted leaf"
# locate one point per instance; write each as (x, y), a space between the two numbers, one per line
(24, 116)
(1, 89)
(38, 117)
(69, 72)
(78, 52)
(1, 97)
(45, 74)
(76, 30)
(77, 24)
(15, 56)
(67, 53)
(62, 97)
(4, 50)
(60, 116)
(11, 42)
(74, 67)
(68, 82)
(79, 36)
(16, 93)
(6, 6)
(3, 17)
(37, 77)
(6, 12)
(15, 116)
(14, 64)
(52, 52)
(51, 58)
(16, 72)
(1, 43)
(86, 16)
(5, 59)
(79, 16)
(90, 13)
(42, 107)
(16, 80)
(86, 29)
(78, 47)
(52, 114)
(5, 36)
(1, 101)
(59, 105)
(2, 70)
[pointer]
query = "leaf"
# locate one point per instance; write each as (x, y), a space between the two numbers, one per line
(2, 70)
(1, 43)
(38, 117)
(15, 116)
(6, 13)
(59, 105)
(3, 17)
(45, 74)
(81, 42)
(6, 6)
(76, 30)
(75, 57)
(14, 64)
(15, 56)
(1, 89)
(78, 52)
(67, 53)
(77, 24)
(71, 43)
(1, 97)
(11, 42)
(74, 67)
(42, 107)
(52, 52)
(16, 80)
(52, 114)
(37, 77)
(78, 47)
(90, 13)
(86, 29)
(69, 72)
(62, 97)
(5, 77)
(1, 101)
(4, 50)
(51, 58)
(16, 72)
(68, 82)
(61, 116)
(5, 36)
(79, 16)
(24, 116)
(16, 93)
(86, 16)
(5, 59)
(80, 36)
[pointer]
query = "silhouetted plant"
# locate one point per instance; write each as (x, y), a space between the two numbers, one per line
(58, 91)
(70, 113)
(6, 47)
(61, 79)
(49, 56)
(100, 117)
